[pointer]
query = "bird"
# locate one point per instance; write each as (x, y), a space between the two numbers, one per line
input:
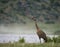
(39, 32)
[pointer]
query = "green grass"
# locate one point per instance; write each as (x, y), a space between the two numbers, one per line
(29, 45)
(22, 40)
(55, 42)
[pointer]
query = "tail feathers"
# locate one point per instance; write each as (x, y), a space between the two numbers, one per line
(45, 39)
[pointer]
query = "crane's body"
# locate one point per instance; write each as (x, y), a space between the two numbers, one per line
(41, 34)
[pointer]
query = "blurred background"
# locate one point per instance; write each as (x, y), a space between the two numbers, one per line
(15, 17)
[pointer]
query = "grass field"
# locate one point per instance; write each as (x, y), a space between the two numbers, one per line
(29, 45)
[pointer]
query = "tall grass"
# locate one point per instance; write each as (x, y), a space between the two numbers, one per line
(22, 40)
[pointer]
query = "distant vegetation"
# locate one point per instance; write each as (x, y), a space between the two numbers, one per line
(43, 10)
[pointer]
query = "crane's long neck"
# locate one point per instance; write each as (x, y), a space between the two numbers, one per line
(36, 26)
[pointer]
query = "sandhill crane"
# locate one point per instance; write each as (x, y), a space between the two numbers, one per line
(39, 32)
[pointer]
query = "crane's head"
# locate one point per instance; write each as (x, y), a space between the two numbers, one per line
(34, 18)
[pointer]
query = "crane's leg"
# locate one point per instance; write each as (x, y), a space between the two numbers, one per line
(40, 40)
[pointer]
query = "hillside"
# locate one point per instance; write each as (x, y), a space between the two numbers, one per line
(17, 11)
